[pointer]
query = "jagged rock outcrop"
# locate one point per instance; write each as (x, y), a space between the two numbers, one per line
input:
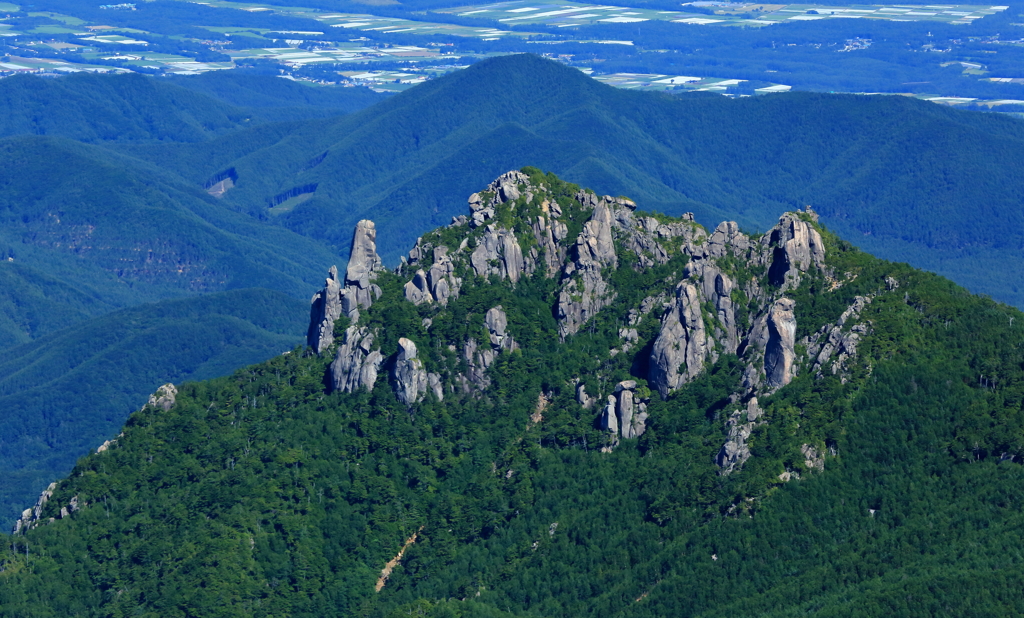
(504, 189)
(740, 425)
(324, 309)
(836, 343)
(363, 266)
(438, 284)
(625, 415)
(498, 253)
(814, 459)
(357, 363)
(32, 517)
(479, 358)
(164, 397)
(584, 291)
(357, 292)
(409, 379)
(780, 353)
(729, 299)
(681, 348)
(796, 247)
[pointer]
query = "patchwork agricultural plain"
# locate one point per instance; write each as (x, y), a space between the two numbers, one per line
(678, 48)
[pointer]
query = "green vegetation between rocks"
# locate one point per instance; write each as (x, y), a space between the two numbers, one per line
(262, 494)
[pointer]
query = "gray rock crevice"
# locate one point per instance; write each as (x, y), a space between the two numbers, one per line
(358, 361)
(682, 345)
(584, 291)
(779, 353)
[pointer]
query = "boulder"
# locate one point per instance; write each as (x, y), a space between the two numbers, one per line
(164, 397)
(408, 377)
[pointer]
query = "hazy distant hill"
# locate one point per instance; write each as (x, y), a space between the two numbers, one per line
(273, 98)
(904, 178)
(97, 108)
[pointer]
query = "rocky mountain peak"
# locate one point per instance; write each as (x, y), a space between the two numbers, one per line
(728, 296)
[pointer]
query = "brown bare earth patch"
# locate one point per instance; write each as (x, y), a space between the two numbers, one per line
(390, 566)
(538, 412)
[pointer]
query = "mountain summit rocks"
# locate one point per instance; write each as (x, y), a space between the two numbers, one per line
(358, 291)
(728, 296)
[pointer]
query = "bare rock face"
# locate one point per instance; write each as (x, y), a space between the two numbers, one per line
(610, 416)
(498, 253)
(477, 362)
(779, 353)
(417, 291)
(478, 358)
(324, 309)
(682, 345)
(717, 287)
(163, 398)
(583, 399)
(30, 518)
(408, 377)
(624, 415)
(439, 284)
(548, 232)
(584, 292)
(797, 247)
(735, 451)
(357, 363)
(363, 266)
(496, 323)
(834, 345)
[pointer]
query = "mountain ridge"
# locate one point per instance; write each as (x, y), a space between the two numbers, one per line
(834, 423)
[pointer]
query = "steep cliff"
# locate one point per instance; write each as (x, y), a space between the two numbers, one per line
(724, 293)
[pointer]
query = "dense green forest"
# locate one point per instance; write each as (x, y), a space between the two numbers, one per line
(122, 216)
(905, 179)
(66, 392)
(88, 231)
(890, 484)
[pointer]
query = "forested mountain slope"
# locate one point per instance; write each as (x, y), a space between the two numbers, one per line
(66, 392)
(87, 231)
(562, 405)
(903, 178)
(99, 108)
(272, 98)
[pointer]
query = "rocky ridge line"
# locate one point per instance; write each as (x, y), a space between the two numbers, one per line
(720, 306)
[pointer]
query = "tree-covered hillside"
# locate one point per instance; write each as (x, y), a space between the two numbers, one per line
(902, 178)
(66, 392)
(562, 406)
